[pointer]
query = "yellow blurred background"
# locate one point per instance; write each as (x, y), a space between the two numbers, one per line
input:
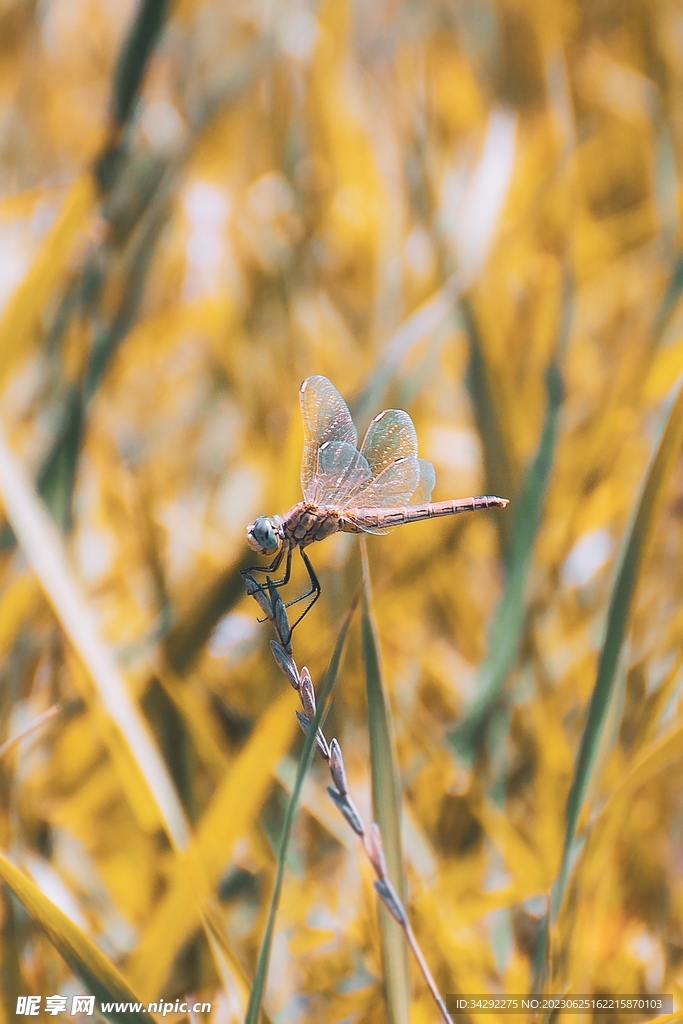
(465, 209)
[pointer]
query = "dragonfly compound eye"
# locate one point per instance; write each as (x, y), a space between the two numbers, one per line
(261, 536)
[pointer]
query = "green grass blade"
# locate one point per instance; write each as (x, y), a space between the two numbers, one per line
(87, 962)
(638, 536)
(187, 636)
(386, 801)
(58, 476)
(509, 621)
(501, 475)
(651, 498)
(323, 698)
(667, 306)
(135, 55)
(129, 77)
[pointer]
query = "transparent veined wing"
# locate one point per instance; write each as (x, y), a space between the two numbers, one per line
(326, 418)
(394, 486)
(390, 436)
(342, 471)
(426, 484)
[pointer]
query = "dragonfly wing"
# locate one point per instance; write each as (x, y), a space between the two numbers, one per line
(394, 486)
(326, 418)
(375, 530)
(426, 483)
(341, 472)
(391, 436)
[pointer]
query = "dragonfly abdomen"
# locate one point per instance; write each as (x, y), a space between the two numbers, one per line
(355, 520)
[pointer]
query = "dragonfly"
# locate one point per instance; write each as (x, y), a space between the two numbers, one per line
(345, 489)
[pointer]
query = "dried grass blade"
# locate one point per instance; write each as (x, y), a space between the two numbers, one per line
(386, 799)
(42, 546)
(231, 814)
(659, 755)
(256, 999)
(426, 320)
(36, 723)
(19, 601)
(26, 306)
(83, 957)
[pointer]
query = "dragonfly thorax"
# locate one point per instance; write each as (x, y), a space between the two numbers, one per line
(306, 523)
(265, 534)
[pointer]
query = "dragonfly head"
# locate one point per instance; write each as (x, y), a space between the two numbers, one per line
(263, 535)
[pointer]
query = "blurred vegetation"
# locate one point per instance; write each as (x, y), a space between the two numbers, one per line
(469, 210)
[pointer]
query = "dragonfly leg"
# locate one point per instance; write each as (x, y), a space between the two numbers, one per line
(315, 590)
(273, 567)
(263, 587)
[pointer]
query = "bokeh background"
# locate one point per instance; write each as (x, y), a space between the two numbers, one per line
(469, 210)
